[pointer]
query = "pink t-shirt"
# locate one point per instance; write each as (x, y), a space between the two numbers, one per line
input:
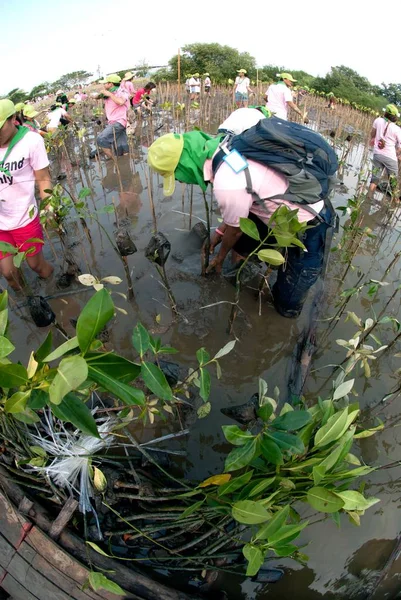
(392, 138)
(234, 201)
(128, 86)
(17, 190)
(114, 112)
(278, 95)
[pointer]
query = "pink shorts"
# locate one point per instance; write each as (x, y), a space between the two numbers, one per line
(18, 238)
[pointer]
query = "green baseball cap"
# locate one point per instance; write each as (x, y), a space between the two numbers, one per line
(285, 76)
(7, 109)
(113, 78)
(265, 111)
(29, 111)
(391, 109)
(19, 106)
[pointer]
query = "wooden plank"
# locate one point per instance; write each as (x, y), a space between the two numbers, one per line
(16, 590)
(63, 518)
(38, 585)
(6, 552)
(11, 522)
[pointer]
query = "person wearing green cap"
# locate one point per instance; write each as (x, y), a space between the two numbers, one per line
(116, 105)
(23, 162)
(386, 142)
(279, 97)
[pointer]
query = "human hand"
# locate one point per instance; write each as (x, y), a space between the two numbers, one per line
(216, 265)
(215, 241)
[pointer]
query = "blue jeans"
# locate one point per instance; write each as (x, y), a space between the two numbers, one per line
(114, 136)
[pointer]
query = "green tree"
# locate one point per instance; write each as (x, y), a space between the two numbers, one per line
(39, 90)
(70, 80)
(222, 62)
(269, 73)
(392, 92)
(17, 95)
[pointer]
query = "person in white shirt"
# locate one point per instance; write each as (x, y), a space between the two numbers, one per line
(279, 97)
(55, 115)
(194, 84)
(207, 83)
(242, 89)
(187, 84)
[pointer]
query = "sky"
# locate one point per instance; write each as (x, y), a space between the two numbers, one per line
(42, 40)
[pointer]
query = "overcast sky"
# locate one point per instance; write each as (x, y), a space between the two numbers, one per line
(43, 40)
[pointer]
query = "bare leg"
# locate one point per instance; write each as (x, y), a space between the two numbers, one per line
(10, 273)
(38, 264)
(372, 189)
(108, 152)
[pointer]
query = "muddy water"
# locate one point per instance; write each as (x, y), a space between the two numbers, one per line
(344, 563)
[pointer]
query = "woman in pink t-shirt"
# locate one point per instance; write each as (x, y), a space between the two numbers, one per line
(386, 141)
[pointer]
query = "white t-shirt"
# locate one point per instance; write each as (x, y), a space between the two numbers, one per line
(242, 85)
(208, 83)
(17, 190)
(55, 117)
(242, 119)
(278, 95)
(194, 84)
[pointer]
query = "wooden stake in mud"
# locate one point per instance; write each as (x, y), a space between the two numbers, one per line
(179, 73)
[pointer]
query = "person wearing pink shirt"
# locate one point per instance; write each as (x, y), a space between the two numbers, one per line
(23, 162)
(127, 84)
(114, 136)
(386, 142)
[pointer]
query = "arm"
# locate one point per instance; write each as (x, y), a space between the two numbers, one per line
(295, 107)
(230, 237)
(116, 99)
(44, 182)
(372, 136)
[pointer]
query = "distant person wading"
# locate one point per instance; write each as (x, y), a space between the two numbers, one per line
(114, 136)
(386, 141)
(279, 97)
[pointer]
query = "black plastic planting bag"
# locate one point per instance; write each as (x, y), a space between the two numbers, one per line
(158, 249)
(124, 242)
(41, 311)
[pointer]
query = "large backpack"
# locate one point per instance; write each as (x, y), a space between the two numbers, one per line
(302, 155)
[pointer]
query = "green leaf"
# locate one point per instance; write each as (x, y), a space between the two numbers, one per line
(366, 433)
(333, 429)
(318, 474)
(343, 389)
(12, 376)
(6, 347)
(241, 457)
(71, 373)
(63, 349)
(44, 348)
(324, 500)
(355, 501)
(286, 533)
(128, 394)
(3, 320)
(272, 257)
(3, 300)
(73, 410)
(337, 454)
(261, 486)
(38, 450)
(249, 228)
(291, 421)
(287, 442)
(202, 356)
(94, 316)
(225, 350)
(156, 381)
(235, 483)
(274, 525)
(250, 512)
(8, 248)
(38, 399)
(98, 549)
(17, 403)
(140, 339)
(18, 258)
(204, 410)
(205, 384)
(235, 435)
(191, 509)
(167, 350)
(254, 557)
(285, 549)
(28, 416)
(98, 581)
(265, 412)
(114, 365)
(271, 451)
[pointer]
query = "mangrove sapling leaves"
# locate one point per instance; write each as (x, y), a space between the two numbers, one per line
(28, 416)
(114, 365)
(275, 524)
(3, 321)
(205, 384)
(333, 429)
(98, 581)
(3, 300)
(272, 257)
(318, 473)
(17, 402)
(6, 347)
(265, 412)
(352, 459)
(112, 280)
(343, 389)
(362, 434)
(324, 500)
(13, 375)
(38, 399)
(44, 348)
(87, 279)
(62, 349)
(255, 558)
(71, 373)
(156, 381)
(94, 316)
(287, 441)
(218, 480)
(191, 509)
(241, 457)
(354, 518)
(204, 410)
(292, 420)
(8, 248)
(235, 435)
(270, 450)
(305, 465)
(355, 501)
(250, 512)
(249, 228)
(235, 484)
(225, 350)
(127, 394)
(336, 455)
(305, 434)
(286, 533)
(74, 410)
(284, 550)
(140, 339)
(286, 408)
(260, 486)
(167, 350)
(202, 356)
